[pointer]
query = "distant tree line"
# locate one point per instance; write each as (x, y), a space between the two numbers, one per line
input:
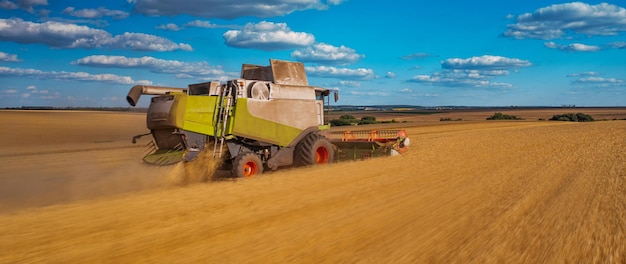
(349, 120)
(571, 117)
(501, 116)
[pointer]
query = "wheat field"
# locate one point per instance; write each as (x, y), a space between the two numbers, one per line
(73, 189)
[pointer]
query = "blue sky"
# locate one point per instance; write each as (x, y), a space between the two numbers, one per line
(429, 53)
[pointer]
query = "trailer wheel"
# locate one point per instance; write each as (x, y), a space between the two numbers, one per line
(314, 149)
(247, 165)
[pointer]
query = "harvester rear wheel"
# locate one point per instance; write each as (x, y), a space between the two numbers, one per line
(247, 165)
(314, 149)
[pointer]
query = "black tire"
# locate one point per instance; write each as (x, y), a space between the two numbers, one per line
(314, 149)
(247, 165)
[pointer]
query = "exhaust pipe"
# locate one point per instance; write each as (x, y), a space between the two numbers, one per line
(138, 90)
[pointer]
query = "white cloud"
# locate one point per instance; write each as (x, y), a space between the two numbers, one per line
(199, 70)
(69, 76)
(194, 23)
(201, 23)
(24, 4)
(62, 35)
(34, 90)
(267, 36)
(95, 13)
(30, 3)
(342, 73)
(8, 57)
(369, 93)
(560, 20)
(31, 92)
(550, 45)
(485, 62)
(457, 78)
(618, 45)
(6, 4)
(327, 54)
(599, 81)
(593, 80)
(335, 2)
(390, 75)
(169, 27)
(408, 92)
(350, 83)
(476, 72)
(584, 74)
(227, 9)
(144, 42)
(50, 33)
(416, 56)
(100, 23)
(185, 47)
(572, 47)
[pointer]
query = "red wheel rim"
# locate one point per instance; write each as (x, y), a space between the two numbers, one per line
(321, 155)
(250, 169)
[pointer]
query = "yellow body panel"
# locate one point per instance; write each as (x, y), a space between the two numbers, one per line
(262, 121)
(199, 113)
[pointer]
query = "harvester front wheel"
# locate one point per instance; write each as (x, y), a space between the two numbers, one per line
(247, 165)
(314, 149)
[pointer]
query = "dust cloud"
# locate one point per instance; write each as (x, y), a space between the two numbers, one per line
(204, 168)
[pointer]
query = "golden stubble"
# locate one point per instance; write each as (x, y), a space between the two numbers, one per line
(469, 192)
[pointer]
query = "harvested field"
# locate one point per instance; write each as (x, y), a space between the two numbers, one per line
(470, 192)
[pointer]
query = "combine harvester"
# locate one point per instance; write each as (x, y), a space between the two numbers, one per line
(268, 118)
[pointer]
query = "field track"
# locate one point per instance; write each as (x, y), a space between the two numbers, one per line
(466, 192)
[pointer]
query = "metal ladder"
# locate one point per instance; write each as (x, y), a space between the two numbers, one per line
(223, 110)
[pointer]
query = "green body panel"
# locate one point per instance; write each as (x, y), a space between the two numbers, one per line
(196, 114)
